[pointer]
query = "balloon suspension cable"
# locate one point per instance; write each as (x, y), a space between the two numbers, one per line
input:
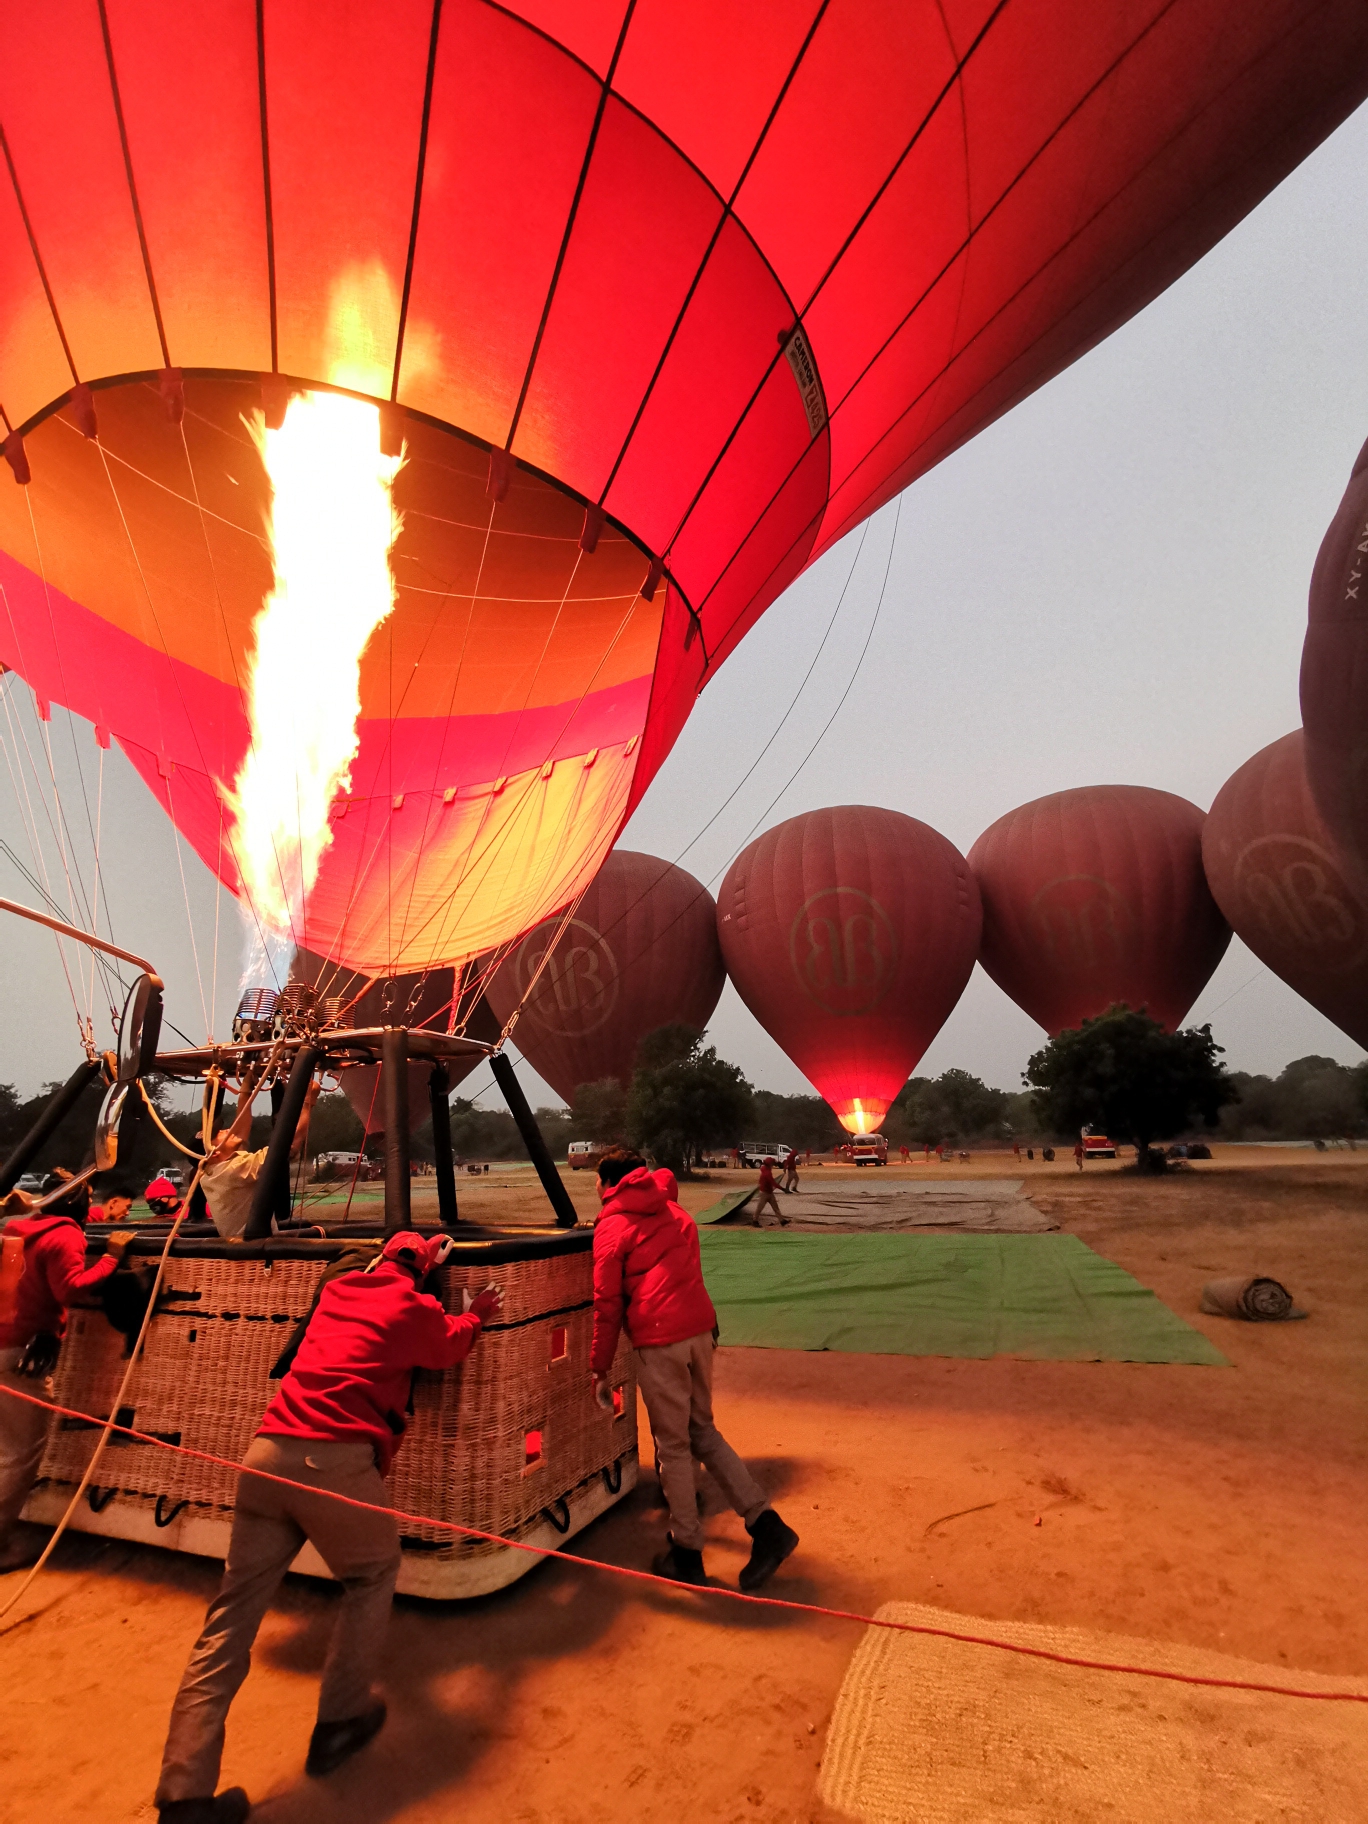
(118, 1401)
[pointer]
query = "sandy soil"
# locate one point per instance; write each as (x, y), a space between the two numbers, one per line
(1218, 1507)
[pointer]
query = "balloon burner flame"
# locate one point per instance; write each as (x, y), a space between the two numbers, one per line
(332, 525)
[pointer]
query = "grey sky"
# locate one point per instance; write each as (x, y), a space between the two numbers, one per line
(1108, 585)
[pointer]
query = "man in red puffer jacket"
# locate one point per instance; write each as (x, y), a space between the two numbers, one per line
(54, 1275)
(648, 1281)
(332, 1429)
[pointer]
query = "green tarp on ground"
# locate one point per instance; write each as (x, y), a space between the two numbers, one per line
(1047, 1297)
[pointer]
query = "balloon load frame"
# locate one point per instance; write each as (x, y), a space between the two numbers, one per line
(510, 1443)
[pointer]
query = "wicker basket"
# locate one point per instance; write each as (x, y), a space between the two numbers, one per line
(510, 1442)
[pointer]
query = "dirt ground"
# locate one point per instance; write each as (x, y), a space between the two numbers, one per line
(1217, 1507)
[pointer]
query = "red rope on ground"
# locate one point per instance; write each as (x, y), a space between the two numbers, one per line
(768, 1602)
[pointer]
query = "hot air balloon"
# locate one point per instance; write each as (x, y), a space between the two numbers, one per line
(850, 934)
(1280, 880)
(1096, 896)
(640, 952)
(658, 299)
(1334, 680)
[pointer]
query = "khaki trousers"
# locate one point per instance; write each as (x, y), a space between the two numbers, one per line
(763, 1198)
(676, 1384)
(270, 1524)
(23, 1434)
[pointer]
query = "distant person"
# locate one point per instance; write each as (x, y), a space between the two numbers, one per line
(334, 1426)
(52, 1276)
(648, 1281)
(906, 1153)
(162, 1197)
(940, 1153)
(807, 1156)
(789, 1182)
(1078, 1154)
(115, 1208)
(1016, 1149)
(765, 1195)
(927, 1159)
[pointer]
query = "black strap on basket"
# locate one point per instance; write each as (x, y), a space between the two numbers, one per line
(612, 1477)
(163, 1515)
(554, 1516)
(99, 1498)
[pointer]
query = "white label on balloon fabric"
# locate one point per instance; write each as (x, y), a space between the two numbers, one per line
(804, 368)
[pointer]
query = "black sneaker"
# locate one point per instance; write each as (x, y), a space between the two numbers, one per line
(229, 1807)
(771, 1543)
(332, 1743)
(680, 1564)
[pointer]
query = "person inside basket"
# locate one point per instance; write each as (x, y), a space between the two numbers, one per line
(648, 1281)
(229, 1177)
(332, 1429)
(52, 1275)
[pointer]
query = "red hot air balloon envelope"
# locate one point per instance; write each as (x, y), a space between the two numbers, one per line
(1334, 678)
(1096, 896)
(640, 952)
(850, 934)
(663, 298)
(1279, 879)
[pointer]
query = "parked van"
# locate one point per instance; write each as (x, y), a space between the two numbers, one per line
(865, 1149)
(586, 1153)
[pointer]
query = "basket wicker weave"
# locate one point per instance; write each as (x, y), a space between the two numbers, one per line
(510, 1442)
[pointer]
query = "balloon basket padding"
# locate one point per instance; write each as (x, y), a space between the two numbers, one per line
(510, 1442)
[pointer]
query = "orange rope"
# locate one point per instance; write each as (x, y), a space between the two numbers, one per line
(771, 1602)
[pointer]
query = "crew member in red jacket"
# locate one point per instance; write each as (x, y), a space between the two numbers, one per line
(53, 1275)
(334, 1427)
(648, 1281)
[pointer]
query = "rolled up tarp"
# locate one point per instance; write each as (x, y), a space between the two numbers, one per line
(1258, 1300)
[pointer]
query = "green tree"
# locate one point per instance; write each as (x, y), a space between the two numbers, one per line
(684, 1097)
(599, 1111)
(1123, 1074)
(954, 1106)
(801, 1121)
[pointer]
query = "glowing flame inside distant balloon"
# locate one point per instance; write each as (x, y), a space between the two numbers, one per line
(331, 528)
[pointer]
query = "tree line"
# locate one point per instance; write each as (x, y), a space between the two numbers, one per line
(1120, 1073)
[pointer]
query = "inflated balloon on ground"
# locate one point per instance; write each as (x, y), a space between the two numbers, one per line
(1097, 896)
(659, 300)
(850, 934)
(1280, 880)
(1334, 678)
(638, 952)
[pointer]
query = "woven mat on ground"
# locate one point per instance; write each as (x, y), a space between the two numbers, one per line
(989, 1206)
(930, 1731)
(1048, 1297)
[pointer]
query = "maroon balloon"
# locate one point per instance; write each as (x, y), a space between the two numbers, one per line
(1096, 896)
(1278, 878)
(850, 934)
(640, 952)
(1334, 677)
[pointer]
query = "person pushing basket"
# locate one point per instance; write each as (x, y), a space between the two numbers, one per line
(648, 1281)
(333, 1429)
